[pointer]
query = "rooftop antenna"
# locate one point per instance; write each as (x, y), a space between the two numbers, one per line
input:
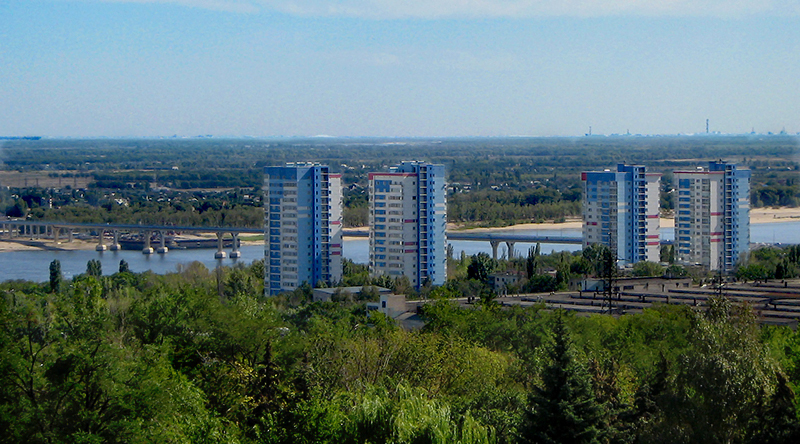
(706, 126)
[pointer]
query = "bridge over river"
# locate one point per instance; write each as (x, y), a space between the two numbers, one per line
(496, 237)
(108, 235)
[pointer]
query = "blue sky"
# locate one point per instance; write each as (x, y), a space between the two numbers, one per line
(89, 68)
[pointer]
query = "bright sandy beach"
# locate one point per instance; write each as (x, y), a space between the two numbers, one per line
(757, 216)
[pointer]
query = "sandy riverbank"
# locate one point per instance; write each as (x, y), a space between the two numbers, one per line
(37, 245)
(757, 216)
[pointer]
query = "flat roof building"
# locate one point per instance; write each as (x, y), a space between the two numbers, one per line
(303, 223)
(407, 219)
(621, 211)
(712, 220)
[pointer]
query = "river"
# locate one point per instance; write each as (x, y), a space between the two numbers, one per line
(34, 265)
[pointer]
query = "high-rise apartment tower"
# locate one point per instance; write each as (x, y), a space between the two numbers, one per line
(621, 211)
(407, 218)
(712, 220)
(303, 222)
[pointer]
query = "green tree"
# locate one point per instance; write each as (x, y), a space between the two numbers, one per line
(368, 293)
(55, 275)
(646, 268)
(480, 267)
(777, 419)
(675, 271)
(408, 416)
(532, 262)
(564, 409)
(598, 256)
(722, 381)
(123, 266)
(94, 268)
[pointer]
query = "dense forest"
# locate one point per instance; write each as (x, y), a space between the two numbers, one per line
(201, 356)
(494, 181)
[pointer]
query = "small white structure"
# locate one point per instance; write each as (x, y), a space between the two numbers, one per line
(391, 305)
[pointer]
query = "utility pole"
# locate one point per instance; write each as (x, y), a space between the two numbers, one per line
(609, 260)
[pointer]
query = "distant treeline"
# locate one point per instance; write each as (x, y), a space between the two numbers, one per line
(181, 180)
(492, 181)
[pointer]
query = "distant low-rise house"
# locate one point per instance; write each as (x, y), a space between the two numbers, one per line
(501, 281)
(394, 306)
(391, 305)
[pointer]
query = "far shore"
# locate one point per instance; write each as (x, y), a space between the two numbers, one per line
(757, 216)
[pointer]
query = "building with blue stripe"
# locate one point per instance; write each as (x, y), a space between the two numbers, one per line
(621, 211)
(408, 217)
(303, 217)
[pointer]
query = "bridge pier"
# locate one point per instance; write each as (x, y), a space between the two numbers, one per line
(235, 253)
(147, 248)
(56, 235)
(101, 246)
(494, 244)
(115, 246)
(510, 246)
(220, 254)
(163, 248)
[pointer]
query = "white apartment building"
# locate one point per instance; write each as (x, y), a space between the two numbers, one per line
(621, 211)
(407, 217)
(712, 220)
(303, 223)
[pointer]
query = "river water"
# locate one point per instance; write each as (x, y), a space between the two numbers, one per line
(34, 265)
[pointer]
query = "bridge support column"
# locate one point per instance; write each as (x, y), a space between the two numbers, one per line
(69, 235)
(510, 246)
(163, 248)
(220, 254)
(56, 233)
(101, 246)
(494, 244)
(115, 246)
(235, 250)
(147, 248)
